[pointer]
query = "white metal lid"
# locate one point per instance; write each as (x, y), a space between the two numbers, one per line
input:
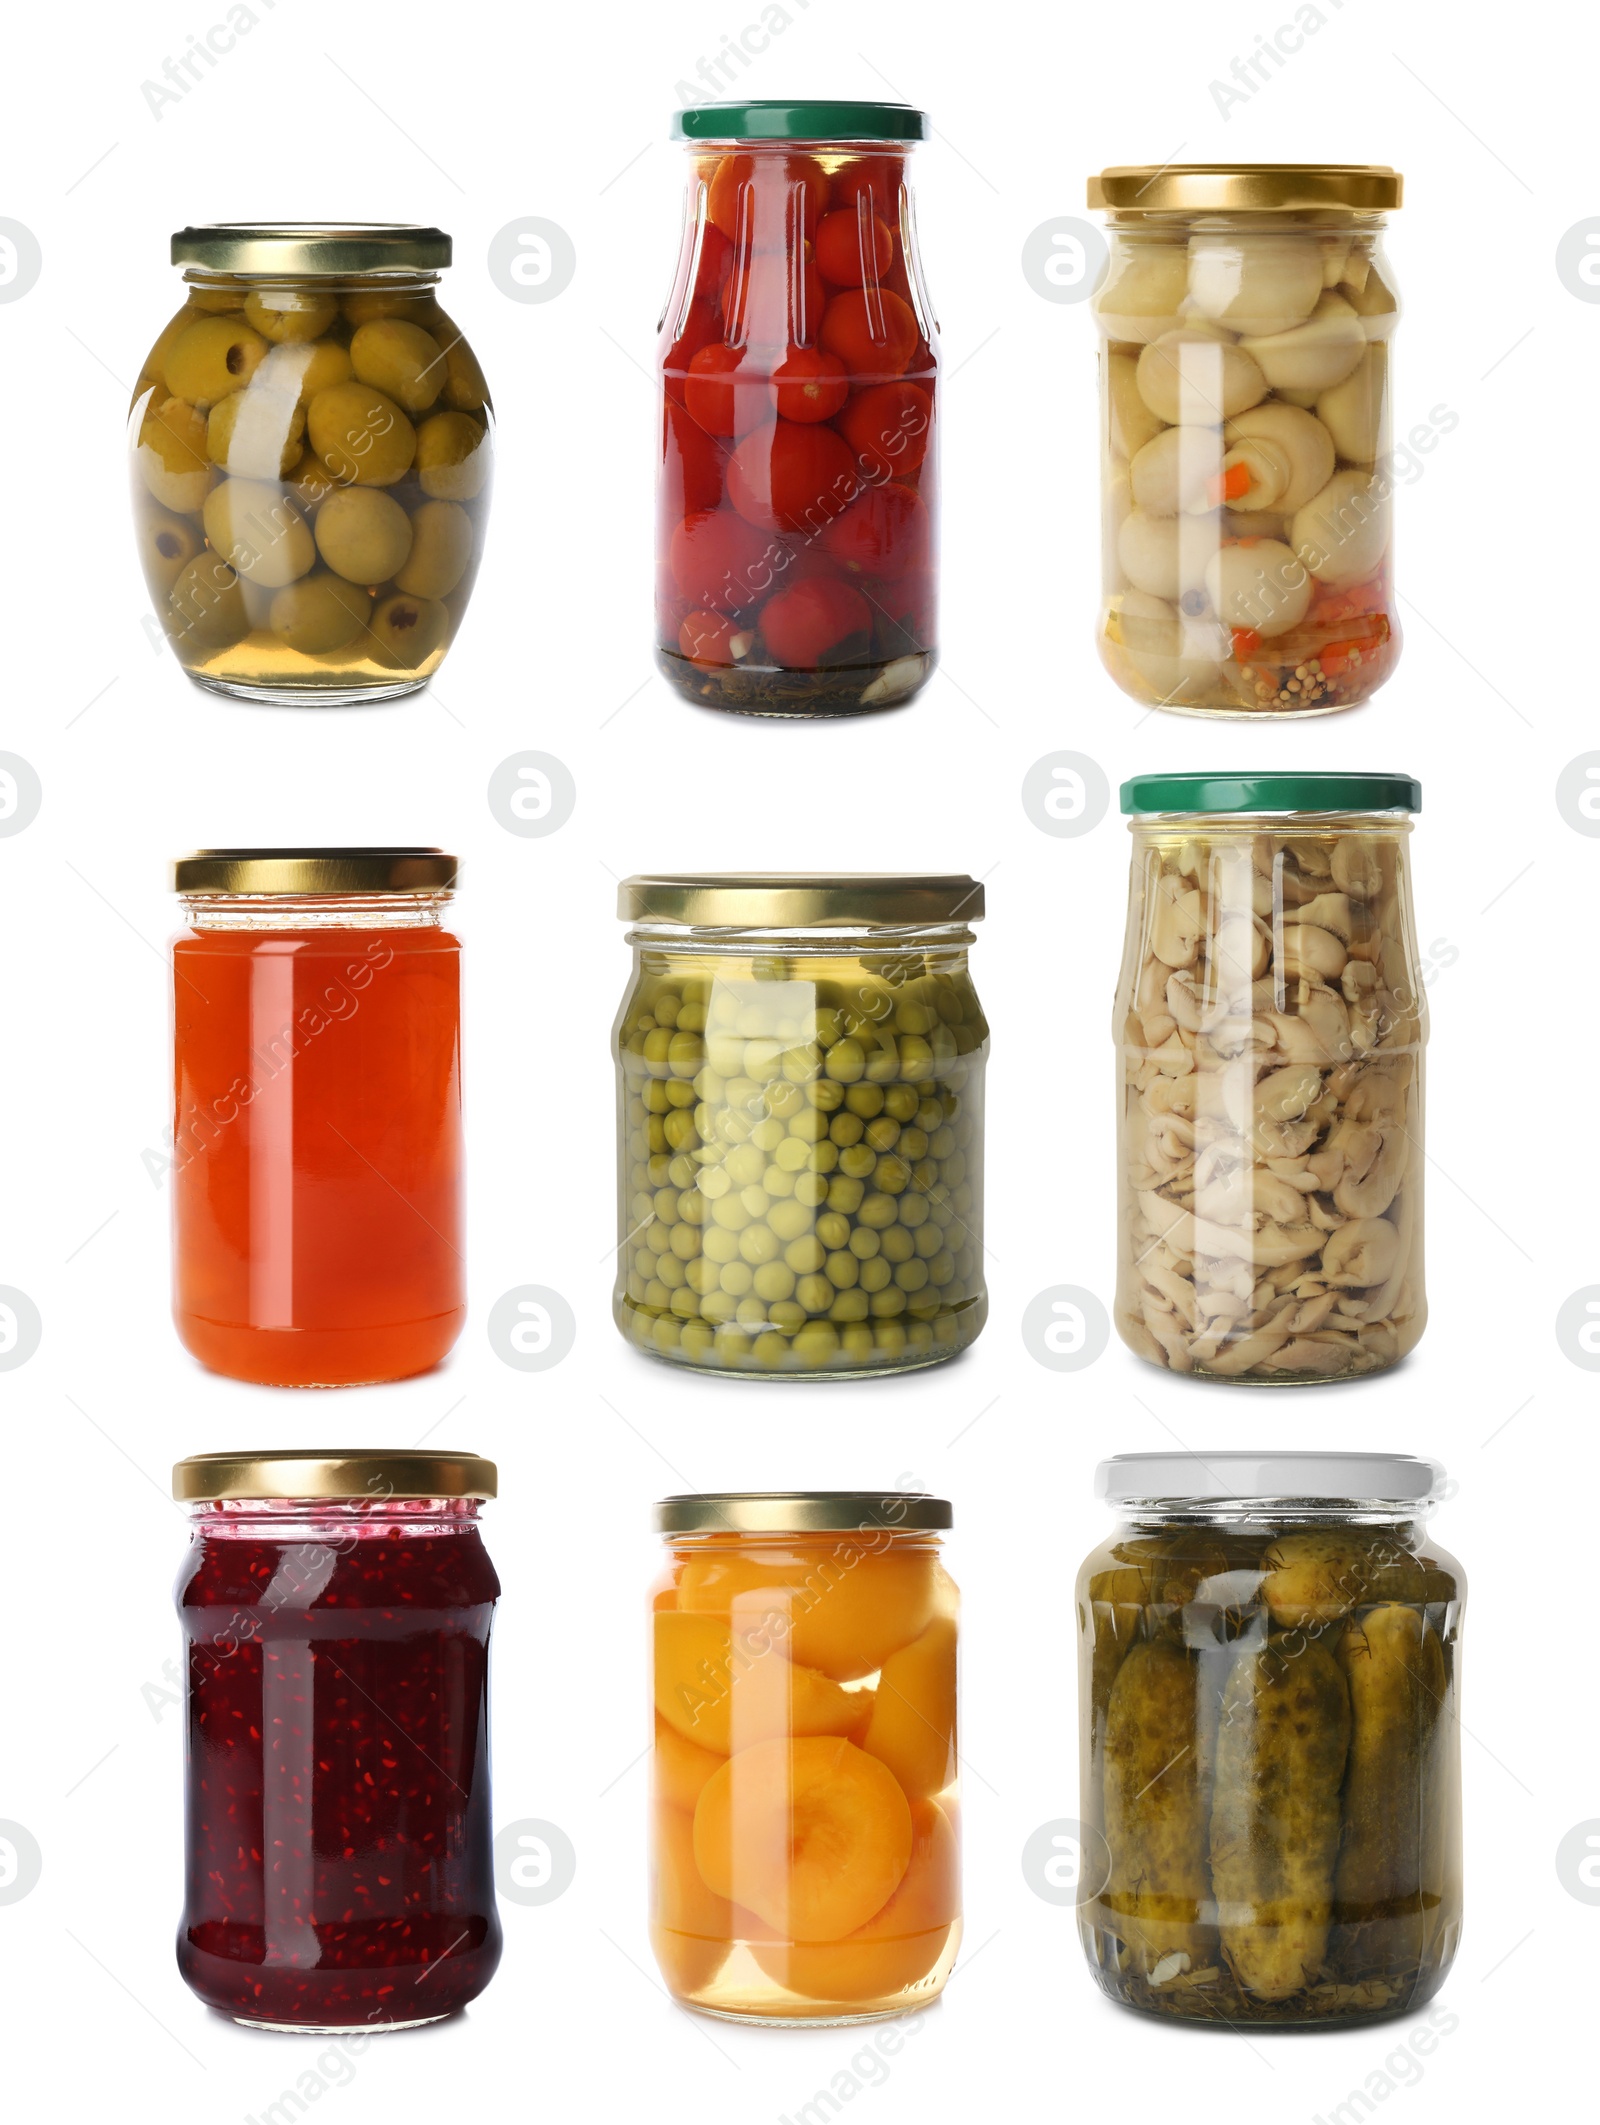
(1168, 1478)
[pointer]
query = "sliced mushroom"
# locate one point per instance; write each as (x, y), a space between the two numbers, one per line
(1361, 1253)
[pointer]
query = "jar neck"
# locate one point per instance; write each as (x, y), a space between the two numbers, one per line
(338, 1521)
(1249, 1514)
(389, 283)
(832, 943)
(845, 1543)
(1163, 227)
(1246, 826)
(316, 911)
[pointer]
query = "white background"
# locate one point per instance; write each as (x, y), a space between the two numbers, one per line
(471, 118)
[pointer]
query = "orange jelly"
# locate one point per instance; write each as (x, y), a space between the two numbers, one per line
(317, 1127)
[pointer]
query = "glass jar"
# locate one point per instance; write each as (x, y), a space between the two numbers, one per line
(1271, 1772)
(797, 512)
(1271, 1018)
(805, 1833)
(1247, 473)
(339, 1836)
(316, 1169)
(310, 440)
(800, 1067)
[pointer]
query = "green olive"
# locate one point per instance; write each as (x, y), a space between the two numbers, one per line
(255, 527)
(361, 435)
(319, 614)
(206, 606)
(211, 357)
(452, 457)
(172, 457)
(166, 545)
(363, 534)
(401, 359)
(409, 630)
(290, 315)
(255, 434)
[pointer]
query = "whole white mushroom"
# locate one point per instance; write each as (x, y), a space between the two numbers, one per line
(1177, 658)
(1342, 533)
(1255, 282)
(1300, 438)
(1313, 355)
(1188, 376)
(1165, 555)
(1130, 422)
(1354, 411)
(1375, 304)
(1177, 470)
(1142, 292)
(1259, 584)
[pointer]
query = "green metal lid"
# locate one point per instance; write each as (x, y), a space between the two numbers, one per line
(800, 121)
(1313, 790)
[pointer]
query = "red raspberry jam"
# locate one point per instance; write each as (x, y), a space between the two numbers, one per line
(339, 1835)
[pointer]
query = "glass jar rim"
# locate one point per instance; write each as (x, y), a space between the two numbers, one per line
(1255, 187)
(1308, 790)
(289, 873)
(333, 1474)
(311, 248)
(793, 1512)
(795, 900)
(812, 119)
(1143, 1482)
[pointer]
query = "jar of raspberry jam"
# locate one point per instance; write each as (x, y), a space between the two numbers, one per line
(317, 1114)
(797, 470)
(339, 1846)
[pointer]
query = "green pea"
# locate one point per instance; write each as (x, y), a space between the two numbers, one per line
(793, 1154)
(801, 1064)
(898, 1245)
(744, 1165)
(770, 1351)
(720, 1245)
(657, 1295)
(892, 1175)
(809, 1126)
(758, 1243)
(703, 1276)
(735, 1278)
(845, 1195)
(842, 1269)
(877, 1211)
(928, 1238)
(783, 1101)
(767, 1135)
(730, 1213)
(657, 1051)
(813, 1189)
(697, 1340)
(883, 1134)
(825, 1096)
(667, 1334)
(833, 1229)
(777, 1182)
(912, 1275)
(824, 1157)
(857, 1343)
(814, 1293)
(732, 1345)
(750, 1313)
(847, 1128)
(858, 1162)
(864, 1243)
(941, 1268)
(865, 1100)
(888, 1302)
(816, 1345)
(914, 1208)
(655, 1099)
(755, 1200)
(846, 1060)
(684, 1241)
(789, 1220)
(787, 1315)
(774, 1280)
(876, 1274)
(806, 1254)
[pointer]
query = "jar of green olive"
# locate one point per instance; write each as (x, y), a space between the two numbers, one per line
(800, 1068)
(310, 442)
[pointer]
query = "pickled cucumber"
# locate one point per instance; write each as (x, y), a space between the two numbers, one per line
(1275, 1823)
(1155, 1809)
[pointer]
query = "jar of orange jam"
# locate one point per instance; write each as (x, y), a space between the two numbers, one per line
(804, 1827)
(317, 1114)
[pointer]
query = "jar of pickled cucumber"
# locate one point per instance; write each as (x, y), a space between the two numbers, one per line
(800, 1070)
(311, 442)
(1271, 1018)
(797, 470)
(1268, 1679)
(804, 1827)
(1247, 478)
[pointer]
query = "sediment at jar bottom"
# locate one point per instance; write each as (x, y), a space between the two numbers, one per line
(802, 1874)
(802, 1163)
(1271, 1024)
(1280, 1805)
(839, 691)
(310, 469)
(1246, 474)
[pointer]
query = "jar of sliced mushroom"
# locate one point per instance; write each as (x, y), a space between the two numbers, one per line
(1271, 1020)
(1268, 1675)
(1245, 319)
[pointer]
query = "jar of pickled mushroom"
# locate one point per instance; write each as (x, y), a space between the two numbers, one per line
(797, 497)
(805, 1834)
(1271, 1018)
(338, 1830)
(1268, 1657)
(800, 1068)
(1247, 479)
(311, 446)
(316, 1165)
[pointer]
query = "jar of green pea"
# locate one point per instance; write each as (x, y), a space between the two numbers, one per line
(800, 1067)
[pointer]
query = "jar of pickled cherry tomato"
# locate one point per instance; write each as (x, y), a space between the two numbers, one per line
(798, 503)
(1269, 1651)
(317, 1121)
(311, 441)
(1271, 1020)
(336, 1610)
(1247, 460)
(805, 1832)
(800, 1065)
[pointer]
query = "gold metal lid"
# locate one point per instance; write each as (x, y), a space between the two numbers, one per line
(334, 1472)
(1246, 187)
(795, 900)
(309, 871)
(799, 1512)
(305, 248)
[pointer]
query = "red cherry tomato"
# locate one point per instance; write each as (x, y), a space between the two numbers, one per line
(800, 625)
(888, 426)
(792, 476)
(872, 177)
(691, 466)
(851, 251)
(712, 638)
(725, 392)
(700, 328)
(884, 534)
(808, 385)
(874, 336)
(714, 264)
(721, 562)
(760, 190)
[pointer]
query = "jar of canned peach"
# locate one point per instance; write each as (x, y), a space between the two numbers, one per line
(805, 1835)
(311, 440)
(1245, 322)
